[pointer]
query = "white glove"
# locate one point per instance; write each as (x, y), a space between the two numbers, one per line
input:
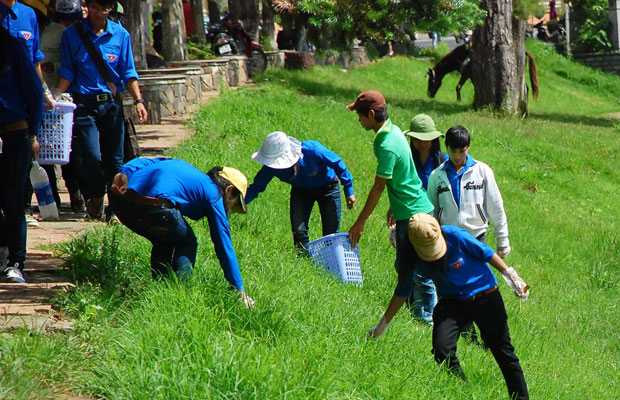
(515, 282)
(245, 299)
(502, 252)
(379, 330)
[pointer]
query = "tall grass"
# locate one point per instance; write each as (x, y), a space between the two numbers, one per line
(557, 170)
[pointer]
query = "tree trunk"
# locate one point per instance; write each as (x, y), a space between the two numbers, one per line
(268, 33)
(214, 11)
(173, 30)
(199, 24)
(251, 17)
(235, 9)
(134, 23)
(246, 11)
(300, 32)
(497, 74)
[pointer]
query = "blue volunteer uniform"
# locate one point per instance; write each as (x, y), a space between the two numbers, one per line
(428, 168)
(114, 44)
(21, 106)
(318, 167)
(193, 194)
(455, 177)
(468, 291)
(467, 272)
(21, 22)
(21, 97)
(313, 179)
(98, 118)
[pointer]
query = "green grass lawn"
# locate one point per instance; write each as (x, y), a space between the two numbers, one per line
(558, 174)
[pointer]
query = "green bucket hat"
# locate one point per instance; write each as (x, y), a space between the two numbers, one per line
(422, 127)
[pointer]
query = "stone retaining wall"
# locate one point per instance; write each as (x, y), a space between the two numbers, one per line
(173, 91)
(607, 62)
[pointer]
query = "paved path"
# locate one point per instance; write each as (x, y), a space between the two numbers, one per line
(27, 304)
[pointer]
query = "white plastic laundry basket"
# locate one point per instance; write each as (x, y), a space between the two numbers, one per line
(55, 134)
(334, 253)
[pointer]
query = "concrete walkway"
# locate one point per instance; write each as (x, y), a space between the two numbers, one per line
(27, 304)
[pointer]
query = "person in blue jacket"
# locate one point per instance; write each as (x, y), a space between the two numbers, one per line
(152, 197)
(22, 23)
(313, 172)
(21, 107)
(98, 118)
(467, 289)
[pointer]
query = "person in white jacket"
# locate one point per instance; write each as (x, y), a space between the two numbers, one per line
(465, 194)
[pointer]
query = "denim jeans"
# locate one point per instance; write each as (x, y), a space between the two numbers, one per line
(99, 132)
(423, 298)
(489, 313)
(302, 202)
(173, 240)
(15, 162)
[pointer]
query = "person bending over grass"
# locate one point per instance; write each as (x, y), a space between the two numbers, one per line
(152, 197)
(467, 289)
(313, 172)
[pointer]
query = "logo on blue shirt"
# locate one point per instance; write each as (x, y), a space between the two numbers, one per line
(25, 34)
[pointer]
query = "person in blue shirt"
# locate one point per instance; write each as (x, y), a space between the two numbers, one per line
(98, 118)
(427, 155)
(313, 172)
(457, 263)
(22, 23)
(21, 107)
(152, 197)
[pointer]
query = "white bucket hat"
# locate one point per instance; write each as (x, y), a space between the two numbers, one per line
(278, 151)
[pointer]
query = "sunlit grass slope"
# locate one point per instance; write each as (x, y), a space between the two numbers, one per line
(557, 171)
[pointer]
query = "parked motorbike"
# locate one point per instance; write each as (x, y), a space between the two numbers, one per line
(222, 43)
(257, 60)
(229, 37)
(556, 33)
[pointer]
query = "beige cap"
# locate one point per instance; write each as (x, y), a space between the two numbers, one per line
(426, 237)
(239, 181)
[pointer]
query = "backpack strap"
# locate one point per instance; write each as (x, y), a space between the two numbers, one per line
(97, 58)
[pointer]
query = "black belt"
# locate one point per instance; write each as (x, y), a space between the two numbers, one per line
(13, 126)
(92, 98)
(134, 197)
(483, 293)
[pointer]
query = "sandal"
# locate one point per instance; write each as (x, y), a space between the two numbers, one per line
(94, 207)
(77, 202)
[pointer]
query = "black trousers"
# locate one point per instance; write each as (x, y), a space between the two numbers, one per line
(489, 313)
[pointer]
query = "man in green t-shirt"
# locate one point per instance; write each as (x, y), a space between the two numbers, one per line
(396, 171)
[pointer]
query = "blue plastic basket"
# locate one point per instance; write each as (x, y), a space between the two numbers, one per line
(55, 134)
(334, 253)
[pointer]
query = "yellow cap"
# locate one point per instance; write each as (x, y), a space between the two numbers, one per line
(239, 181)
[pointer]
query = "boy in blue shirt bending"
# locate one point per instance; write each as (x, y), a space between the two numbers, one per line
(313, 171)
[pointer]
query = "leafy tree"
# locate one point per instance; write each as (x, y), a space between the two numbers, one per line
(592, 28)
(335, 24)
